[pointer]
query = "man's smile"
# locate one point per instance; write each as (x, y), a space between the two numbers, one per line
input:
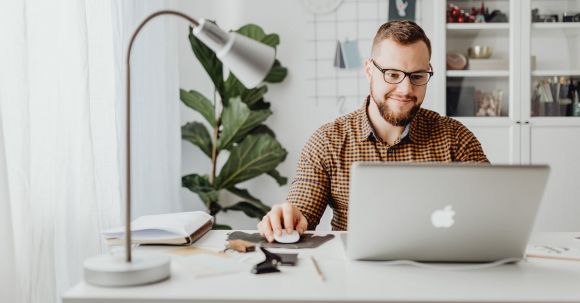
(401, 100)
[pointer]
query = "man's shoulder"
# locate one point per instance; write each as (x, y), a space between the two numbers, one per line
(342, 126)
(435, 126)
(434, 119)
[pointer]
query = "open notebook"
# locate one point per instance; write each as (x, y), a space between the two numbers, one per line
(172, 229)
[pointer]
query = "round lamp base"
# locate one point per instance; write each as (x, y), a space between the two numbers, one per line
(145, 268)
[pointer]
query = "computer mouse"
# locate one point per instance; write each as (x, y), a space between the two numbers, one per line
(287, 238)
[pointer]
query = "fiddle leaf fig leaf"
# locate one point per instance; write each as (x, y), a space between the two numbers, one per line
(252, 31)
(233, 88)
(277, 73)
(201, 186)
(255, 155)
(221, 227)
(251, 209)
(238, 120)
(272, 39)
(253, 95)
(197, 134)
(199, 103)
(263, 129)
(243, 193)
(279, 179)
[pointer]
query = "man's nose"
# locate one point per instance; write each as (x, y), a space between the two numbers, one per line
(405, 87)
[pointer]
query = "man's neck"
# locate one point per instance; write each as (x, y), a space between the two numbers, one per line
(384, 130)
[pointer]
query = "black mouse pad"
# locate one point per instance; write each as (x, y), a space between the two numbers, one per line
(306, 240)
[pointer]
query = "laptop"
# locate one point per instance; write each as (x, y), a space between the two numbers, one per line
(442, 212)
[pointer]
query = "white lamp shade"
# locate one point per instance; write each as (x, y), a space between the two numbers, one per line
(249, 60)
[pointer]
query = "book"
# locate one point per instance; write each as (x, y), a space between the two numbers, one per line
(350, 53)
(169, 229)
(347, 55)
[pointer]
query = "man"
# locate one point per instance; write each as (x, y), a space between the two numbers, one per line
(390, 126)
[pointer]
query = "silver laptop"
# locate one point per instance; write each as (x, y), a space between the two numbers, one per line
(442, 212)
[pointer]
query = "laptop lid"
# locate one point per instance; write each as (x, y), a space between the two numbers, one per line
(447, 212)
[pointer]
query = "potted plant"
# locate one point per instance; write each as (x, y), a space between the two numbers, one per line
(237, 132)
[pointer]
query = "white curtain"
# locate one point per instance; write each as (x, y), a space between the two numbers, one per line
(156, 136)
(61, 135)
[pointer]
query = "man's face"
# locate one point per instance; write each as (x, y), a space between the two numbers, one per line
(397, 103)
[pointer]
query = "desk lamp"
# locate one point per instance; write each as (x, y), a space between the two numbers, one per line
(250, 61)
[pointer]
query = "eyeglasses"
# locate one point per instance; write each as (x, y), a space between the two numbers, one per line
(395, 76)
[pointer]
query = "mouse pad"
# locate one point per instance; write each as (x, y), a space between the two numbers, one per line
(306, 240)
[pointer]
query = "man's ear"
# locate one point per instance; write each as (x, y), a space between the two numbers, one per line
(368, 69)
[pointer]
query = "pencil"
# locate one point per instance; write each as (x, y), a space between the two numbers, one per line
(318, 271)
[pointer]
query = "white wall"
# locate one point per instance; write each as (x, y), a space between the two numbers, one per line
(295, 116)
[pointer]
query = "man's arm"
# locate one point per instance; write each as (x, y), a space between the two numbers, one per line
(310, 189)
(308, 196)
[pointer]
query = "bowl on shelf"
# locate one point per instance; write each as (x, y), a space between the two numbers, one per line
(479, 52)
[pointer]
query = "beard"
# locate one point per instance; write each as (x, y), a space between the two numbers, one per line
(393, 118)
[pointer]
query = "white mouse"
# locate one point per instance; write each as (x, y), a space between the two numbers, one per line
(287, 238)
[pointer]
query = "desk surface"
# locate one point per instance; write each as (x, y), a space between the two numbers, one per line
(534, 280)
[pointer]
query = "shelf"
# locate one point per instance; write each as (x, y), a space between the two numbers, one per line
(502, 121)
(507, 121)
(556, 25)
(477, 26)
(477, 29)
(485, 1)
(478, 73)
(543, 73)
(563, 121)
(568, 29)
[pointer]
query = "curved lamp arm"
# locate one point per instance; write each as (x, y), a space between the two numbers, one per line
(248, 59)
(128, 126)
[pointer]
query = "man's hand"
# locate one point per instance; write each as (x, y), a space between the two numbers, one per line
(282, 216)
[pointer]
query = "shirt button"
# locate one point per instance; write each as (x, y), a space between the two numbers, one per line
(390, 151)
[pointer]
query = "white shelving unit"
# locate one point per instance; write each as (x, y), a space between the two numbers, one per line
(484, 121)
(556, 25)
(556, 72)
(460, 36)
(476, 29)
(477, 26)
(521, 136)
(478, 73)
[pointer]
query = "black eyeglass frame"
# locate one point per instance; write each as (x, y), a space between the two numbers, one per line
(384, 70)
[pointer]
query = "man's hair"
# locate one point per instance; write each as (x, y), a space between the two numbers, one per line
(403, 32)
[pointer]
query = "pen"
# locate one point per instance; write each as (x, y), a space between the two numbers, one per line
(318, 271)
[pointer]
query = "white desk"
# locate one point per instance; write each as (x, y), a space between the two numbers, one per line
(535, 280)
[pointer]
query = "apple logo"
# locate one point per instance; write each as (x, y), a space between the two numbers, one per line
(443, 218)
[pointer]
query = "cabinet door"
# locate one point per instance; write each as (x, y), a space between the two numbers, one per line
(499, 142)
(553, 62)
(558, 146)
(478, 60)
